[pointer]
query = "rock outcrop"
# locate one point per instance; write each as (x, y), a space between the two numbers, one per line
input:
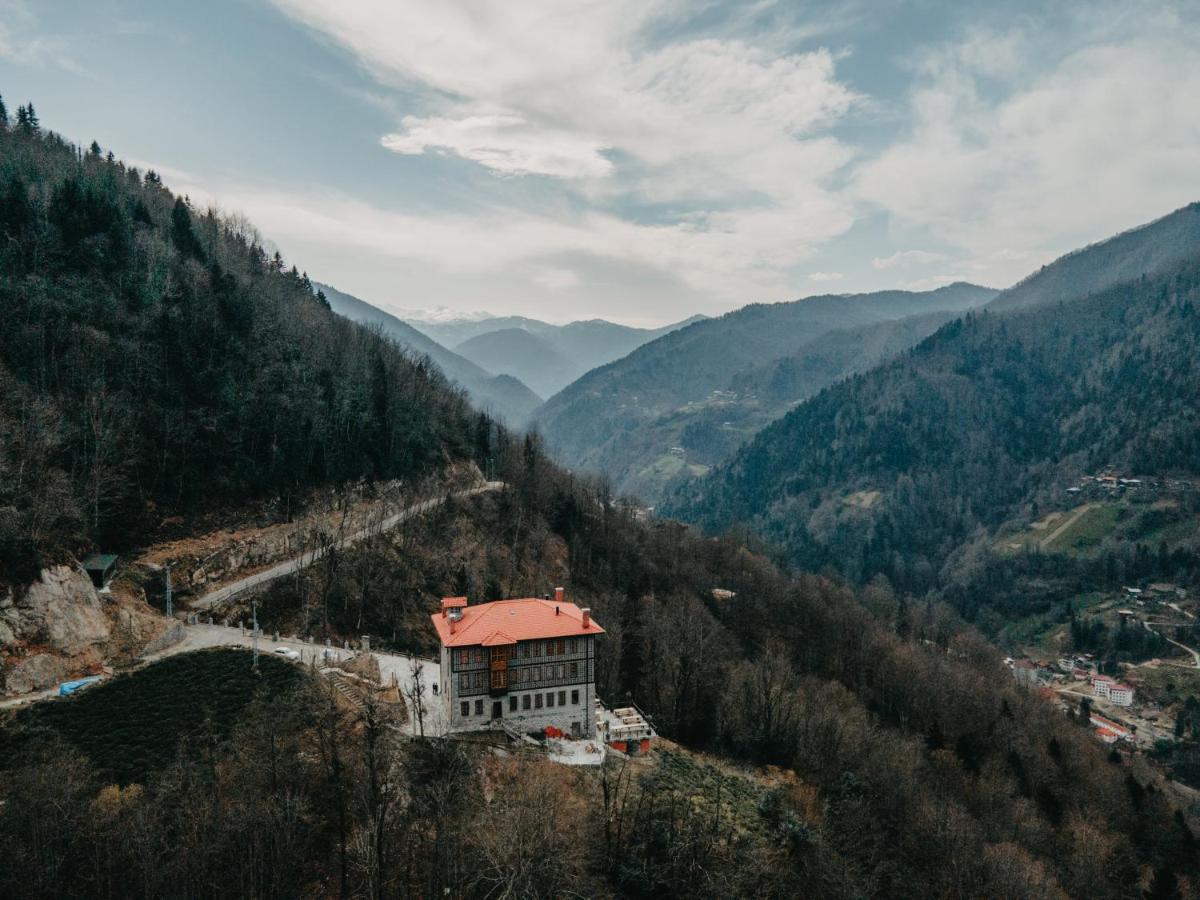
(51, 630)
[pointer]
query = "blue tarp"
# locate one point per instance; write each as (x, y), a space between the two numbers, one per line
(70, 687)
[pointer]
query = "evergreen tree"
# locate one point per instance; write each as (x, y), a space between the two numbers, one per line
(181, 230)
(3, 114)
(94, 150)
(31, 119)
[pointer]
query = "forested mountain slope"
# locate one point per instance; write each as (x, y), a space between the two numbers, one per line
(155, 362)
(1156, 247)
(687, 400)
(505, 396)
(986, 415)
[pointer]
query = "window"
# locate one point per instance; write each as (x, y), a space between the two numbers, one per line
(512, 703)
(574, 698)
(525, 650)
(550, 699)
(561, 671)
(525, 702)
(479, 707)
(464, 657)
(537, 673)
(547, 648)
(464, 709)
(537, 701)
(574, 670)
(498, 680)
(464, 681)
(478, 654)
(562, 698)
(562, 647)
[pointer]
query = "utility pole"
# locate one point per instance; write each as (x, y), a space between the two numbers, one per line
(254, 631)
(167, 598)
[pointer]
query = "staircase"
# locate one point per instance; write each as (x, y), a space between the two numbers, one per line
(347, 691)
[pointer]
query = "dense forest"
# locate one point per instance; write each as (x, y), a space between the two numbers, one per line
(994, 415)
(915, 766)
(156, 360)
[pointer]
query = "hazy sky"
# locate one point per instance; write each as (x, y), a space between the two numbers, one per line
(640, 160)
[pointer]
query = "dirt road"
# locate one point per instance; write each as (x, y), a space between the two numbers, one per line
(1066, 523)
(291, 566)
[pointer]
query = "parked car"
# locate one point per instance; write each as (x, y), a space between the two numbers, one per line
(293, 655)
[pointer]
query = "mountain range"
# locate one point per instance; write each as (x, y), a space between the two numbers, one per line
(506, 397)
(545, 356)
(684, 402)
(1092, 363)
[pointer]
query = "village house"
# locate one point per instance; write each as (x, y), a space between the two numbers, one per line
(528, 664)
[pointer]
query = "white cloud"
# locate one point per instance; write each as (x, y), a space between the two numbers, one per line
(729, 135)
(905, 258)
(504, 144)
(556, 279)
(826, 276)
(1104, 138)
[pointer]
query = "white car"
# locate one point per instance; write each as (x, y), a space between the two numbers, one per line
(293, 655)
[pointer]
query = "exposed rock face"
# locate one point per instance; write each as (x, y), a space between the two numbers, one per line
(36, 673)
(55, 628)
(172, 635)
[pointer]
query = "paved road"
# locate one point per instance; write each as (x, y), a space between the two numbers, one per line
(291, 566)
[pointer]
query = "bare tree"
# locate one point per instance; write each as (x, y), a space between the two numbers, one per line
(414, 690)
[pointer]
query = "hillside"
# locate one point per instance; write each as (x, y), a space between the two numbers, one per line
(854, 743)
(503, 395)
(683, 403)
(1147, 250)
(578, 347)
(522, 355)
(991, 416)
(155, 362)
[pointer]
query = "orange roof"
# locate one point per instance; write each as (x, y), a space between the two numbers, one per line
(509, 621)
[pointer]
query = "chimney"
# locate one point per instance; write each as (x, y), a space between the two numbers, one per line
(558, 610)
(453, 624)
(587, 617)
(558, 595)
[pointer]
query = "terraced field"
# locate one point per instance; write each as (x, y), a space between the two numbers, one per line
(135, 724)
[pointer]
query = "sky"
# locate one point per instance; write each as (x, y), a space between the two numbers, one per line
(636, 160)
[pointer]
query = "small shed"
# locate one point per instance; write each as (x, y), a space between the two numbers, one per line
(101, 567)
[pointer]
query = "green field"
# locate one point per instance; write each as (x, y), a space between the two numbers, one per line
(135, 724)
(1085, 534)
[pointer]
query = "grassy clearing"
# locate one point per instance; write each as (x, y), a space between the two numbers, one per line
(135, 724)
(1085, 534)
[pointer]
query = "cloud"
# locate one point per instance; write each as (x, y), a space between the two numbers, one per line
(1103, 137)
(557, 279)
(826, 276)
(905, 258)
(619, 107)
(504, 144)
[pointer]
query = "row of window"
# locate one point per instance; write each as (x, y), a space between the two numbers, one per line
(520, 675)
(525, 650)
(527, 701)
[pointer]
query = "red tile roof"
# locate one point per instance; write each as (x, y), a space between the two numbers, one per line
(509, 621)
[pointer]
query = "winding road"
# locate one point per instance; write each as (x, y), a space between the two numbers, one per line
(291, 566)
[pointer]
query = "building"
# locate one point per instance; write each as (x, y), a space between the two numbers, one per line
(1102, 685)
(1120, 694)
(527, 664)
(1025, 671)
(100, 568)
(1108, 730)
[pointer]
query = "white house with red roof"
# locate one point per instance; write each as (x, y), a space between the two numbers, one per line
(527, 663)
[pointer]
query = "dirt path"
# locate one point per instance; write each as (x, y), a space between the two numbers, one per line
(291, 566)
(1066, 523)
(1195, 655)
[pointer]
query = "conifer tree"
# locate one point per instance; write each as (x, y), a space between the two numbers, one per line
(31, 119)
(94, 150)
(3, 114)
